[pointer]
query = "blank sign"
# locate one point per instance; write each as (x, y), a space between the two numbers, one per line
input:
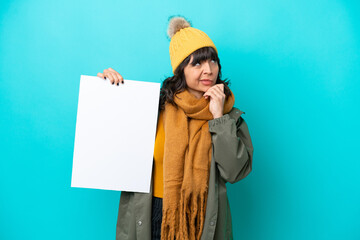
(115, 134)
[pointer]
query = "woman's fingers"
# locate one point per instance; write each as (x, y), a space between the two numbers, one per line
(113, 76)
(215, 94)
(216, 91)
(219, 92)
(101, 75)
(110, 75)
(119, 78)
(114, 79)
(218, 88)
(221, 86)
(217, 98)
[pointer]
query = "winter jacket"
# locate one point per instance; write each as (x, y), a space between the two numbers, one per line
(232, 154)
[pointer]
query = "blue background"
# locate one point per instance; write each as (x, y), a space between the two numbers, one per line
(295, 71)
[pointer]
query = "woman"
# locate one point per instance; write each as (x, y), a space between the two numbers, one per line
(202, 142)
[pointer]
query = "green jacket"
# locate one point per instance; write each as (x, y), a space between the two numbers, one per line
(231, 161)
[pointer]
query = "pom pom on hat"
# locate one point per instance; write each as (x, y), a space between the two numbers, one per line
(175, 24)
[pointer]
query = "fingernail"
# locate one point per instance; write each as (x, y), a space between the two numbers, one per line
(112, 83)
(117, 84)
(122, 81)
(105, 78)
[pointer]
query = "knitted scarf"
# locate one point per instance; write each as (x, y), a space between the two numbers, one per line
(186, 165)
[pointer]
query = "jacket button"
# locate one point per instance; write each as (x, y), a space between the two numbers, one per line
(139, 223)
(212, 223)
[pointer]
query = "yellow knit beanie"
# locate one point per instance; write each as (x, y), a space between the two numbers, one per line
(185, 40)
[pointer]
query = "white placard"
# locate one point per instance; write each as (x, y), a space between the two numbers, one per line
(115, 134)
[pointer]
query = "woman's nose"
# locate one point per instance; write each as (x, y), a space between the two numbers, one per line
(207, 67)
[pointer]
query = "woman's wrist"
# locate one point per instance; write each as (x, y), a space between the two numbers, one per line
(218, 116)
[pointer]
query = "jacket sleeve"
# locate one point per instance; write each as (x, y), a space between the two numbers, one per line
(232, 147)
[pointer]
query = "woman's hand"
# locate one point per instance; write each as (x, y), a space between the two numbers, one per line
(112, 75)
(217, 99)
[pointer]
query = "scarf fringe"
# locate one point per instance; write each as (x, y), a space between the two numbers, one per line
(192, 217)
(169, 230)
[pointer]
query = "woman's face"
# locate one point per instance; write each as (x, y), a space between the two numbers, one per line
(201, 76)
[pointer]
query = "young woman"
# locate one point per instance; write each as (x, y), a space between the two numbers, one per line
(201, 143)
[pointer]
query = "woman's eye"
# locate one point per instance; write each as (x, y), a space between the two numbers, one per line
(213, 60)
(197, 64)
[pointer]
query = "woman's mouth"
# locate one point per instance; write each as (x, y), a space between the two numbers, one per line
(206, 82)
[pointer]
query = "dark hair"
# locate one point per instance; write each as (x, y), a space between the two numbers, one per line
(177, 83)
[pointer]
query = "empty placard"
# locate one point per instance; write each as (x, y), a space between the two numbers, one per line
(115, 134)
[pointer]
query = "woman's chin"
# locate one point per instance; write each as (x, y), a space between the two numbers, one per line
(205, 88)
